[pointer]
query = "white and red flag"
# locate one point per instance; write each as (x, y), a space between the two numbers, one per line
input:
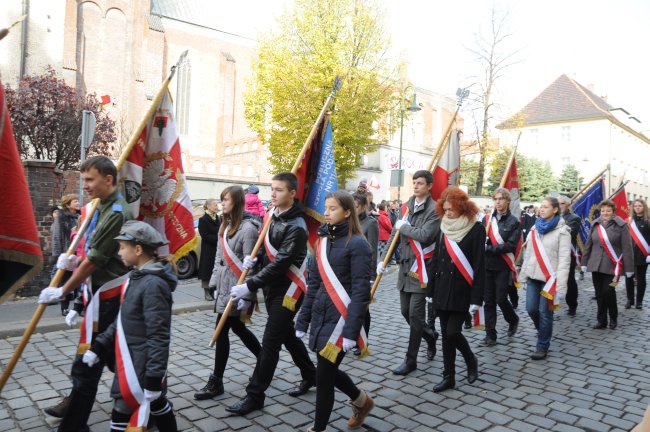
(447, 172)
(152, 181)
(512, 184)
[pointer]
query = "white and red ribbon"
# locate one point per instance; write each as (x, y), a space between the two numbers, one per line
(460, 260)
(496, 239)
(341, 300)
(297, 276)
(550, 288)
(479, 318)
(609, 251)
(231, 258)
(639, 239)
(132, 392)
(421, 255)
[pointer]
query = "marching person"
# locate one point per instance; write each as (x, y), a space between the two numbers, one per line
(209, 232)
(528, 220)
(608, 253)
(338, 294)
(573, 223)
(640, 232)
(97, 271)
(417, 236)
(545, 269)
(142, 331)
(503, 235)
(62, 237)
(282, 280)
(385, 228)
(254, 204)
(237, 235)
(459, 264)
(369, 228)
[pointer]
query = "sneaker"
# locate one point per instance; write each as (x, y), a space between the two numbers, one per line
(488, 342)
(539, 355)
(59, 410)
(359, 414)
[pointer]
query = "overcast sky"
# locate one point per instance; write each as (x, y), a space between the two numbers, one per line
(599, 42)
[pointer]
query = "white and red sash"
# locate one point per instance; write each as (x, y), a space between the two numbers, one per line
(576, 254)
(609, 251)
(639, 239)
(496, 239)
(297, 276)
(341, 300)
(550, 288)
(460, 260)
(479, 319)
(422, 254)
(132, 392)
(90, 322)
(234, 263)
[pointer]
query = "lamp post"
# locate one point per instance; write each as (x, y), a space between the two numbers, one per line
(414, 107)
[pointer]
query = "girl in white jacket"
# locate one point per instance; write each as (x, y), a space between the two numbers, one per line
(545, 270)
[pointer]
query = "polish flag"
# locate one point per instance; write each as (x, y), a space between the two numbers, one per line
(447, 172)
(620, 199)
(512, 184)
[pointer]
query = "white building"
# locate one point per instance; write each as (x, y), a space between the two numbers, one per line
(568, 123)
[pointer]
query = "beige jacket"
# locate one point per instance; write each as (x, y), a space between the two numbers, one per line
(557, 244)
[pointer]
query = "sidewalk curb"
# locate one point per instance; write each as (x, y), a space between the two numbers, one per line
(48, 325)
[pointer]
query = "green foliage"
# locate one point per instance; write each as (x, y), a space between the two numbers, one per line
(498, 167)
(316, 41)
(570, 181)
(468, 174)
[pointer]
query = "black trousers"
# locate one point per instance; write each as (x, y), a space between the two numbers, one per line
(82, 397)
(279, 330)
(513, 295)
(639, 275)
(605, 297)
(572, 286)
(329, 377)
(496, 293)
(412, 306)
(451, 323)
(222, 347)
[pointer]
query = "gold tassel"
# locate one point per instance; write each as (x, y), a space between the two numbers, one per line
(517, 285)
(364, 352)
(136, 429)
(547, 295)
(82, 348)
(289, 303)
(330, 352)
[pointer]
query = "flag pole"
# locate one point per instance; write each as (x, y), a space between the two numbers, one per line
(461, 94)
(504, 178)
(588, 185)
(260, 240)
(618, 189)
(36, 317)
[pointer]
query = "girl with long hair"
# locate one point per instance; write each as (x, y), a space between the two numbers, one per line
(640, 231)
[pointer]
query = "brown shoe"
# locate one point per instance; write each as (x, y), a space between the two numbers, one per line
(359, 414)
(59, 410)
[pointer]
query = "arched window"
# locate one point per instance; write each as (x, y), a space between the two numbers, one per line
(236, 170)
(249, 171)
(197, 166)
(223, 169)
(227, 150)
(211, 168)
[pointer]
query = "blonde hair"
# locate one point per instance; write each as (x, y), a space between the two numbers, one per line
(66, 200)
(646, 213)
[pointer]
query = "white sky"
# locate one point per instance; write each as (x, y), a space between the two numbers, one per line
(599, 42)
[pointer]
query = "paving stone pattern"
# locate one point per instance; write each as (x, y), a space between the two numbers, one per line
(593, 380)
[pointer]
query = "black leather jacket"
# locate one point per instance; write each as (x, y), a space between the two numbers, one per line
(510, 231)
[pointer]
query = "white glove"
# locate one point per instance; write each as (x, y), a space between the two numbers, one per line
(629, 274)
(151, 396)
(473, 309)
(348, 344)
(243, 304)
(215, 293)
(90, 358)
(66, 262)
(239, 291)
(583, 269)
(71, 318)
(50, 295)
(380, 268)
(400, 223)
(249, 262)
(300, 334)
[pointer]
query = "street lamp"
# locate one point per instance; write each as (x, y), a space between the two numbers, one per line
(414, 107)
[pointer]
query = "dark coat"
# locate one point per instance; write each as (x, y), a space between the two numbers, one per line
(594, 256)
(209, 232)
(573, 223)
(350, 261)
(644, 227)
(370, 228)
(510, 231)
(287, 234)
(527, 222)
(452, 292)
(146, 314)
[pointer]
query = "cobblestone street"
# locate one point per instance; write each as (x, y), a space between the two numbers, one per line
(592, 380)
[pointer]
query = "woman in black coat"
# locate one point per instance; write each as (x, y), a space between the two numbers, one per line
(457, 288)
(209, 232)
(641, 219)
(341, 246)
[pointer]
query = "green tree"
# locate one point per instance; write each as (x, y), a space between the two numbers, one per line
(468, 173)
(315, 41)
(536, 178)
(570, 181)
(497, 168)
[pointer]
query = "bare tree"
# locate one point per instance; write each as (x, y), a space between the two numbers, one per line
(493, 55)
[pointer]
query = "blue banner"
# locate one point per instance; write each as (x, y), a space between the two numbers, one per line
(323, 180)
(587, 208)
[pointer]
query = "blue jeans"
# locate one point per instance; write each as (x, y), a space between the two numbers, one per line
(542, 316)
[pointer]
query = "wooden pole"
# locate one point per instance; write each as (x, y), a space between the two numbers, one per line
(504, 178)
(588, 185)
(265, 228)
(29, 330)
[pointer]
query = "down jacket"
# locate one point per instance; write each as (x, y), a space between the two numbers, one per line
(146, 313)
(350, 259)
(557, 244)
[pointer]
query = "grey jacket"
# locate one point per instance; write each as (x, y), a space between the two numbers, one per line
(425, 228)
(594, 255)
(223, 278)
(146, 314)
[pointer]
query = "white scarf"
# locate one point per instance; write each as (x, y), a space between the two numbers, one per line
(456, 229)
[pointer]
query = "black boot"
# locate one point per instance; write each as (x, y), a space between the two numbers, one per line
(214, 387)
(163, 414)
(472, 370)
(448, 382)
(207, 292)
(59, 410)
(430, 336)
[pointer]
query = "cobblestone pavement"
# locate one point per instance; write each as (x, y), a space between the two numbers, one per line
(593, 380)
